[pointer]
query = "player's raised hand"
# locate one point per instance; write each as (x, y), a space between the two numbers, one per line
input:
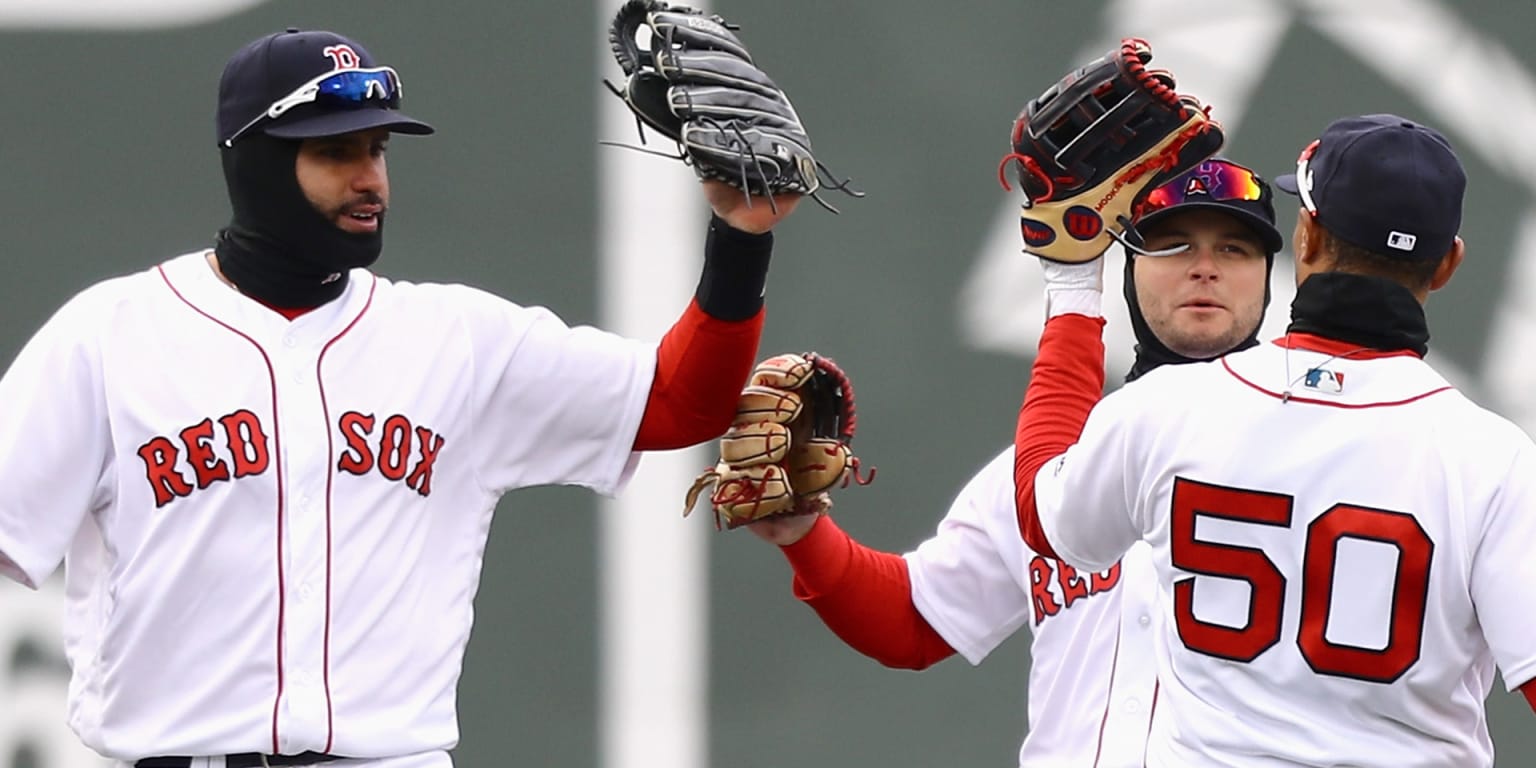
(749, 214)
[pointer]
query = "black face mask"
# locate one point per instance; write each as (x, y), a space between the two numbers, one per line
(279, 249)
(1151, 352)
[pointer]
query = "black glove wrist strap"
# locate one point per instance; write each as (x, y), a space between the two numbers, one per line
(735, 271)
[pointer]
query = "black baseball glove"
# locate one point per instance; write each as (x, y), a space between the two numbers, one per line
(695, 83)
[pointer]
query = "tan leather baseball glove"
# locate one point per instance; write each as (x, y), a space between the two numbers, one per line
(790, 443)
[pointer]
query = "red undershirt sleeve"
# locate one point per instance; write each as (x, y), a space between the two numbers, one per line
(701, 366)
(865, 597)
(1065, 383)
(1529, 689)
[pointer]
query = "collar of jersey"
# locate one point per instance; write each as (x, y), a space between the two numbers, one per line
(1311, 342)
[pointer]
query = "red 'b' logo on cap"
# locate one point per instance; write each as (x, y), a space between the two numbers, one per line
(342, 57)
(1083, 223)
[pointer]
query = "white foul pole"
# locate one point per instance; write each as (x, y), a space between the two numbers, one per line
(652, 581)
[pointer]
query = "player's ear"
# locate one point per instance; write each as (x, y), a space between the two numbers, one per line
(1306, 241)
(1448, 264)
(1307, 246)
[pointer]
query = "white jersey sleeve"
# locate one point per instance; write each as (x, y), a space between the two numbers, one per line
(560, 405)
(1502, 566)
(1085, 498)
(55, 450)
(963, 583)
(1092, 676)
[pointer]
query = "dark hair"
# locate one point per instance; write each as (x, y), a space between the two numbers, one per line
(1413, 274)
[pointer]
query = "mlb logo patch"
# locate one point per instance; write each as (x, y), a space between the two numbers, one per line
(1324, 381)
(1402, 241)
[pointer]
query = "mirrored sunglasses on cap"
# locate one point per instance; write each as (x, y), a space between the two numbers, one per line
(346, 89)
(1212, 180)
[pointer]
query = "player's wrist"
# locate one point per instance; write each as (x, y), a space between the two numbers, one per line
(820, 557)
(1073, 288)
(1078, 301)
(1088, 275)
(735, 274)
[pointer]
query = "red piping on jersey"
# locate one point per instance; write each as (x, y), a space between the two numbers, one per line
(330, 475)
(1286, 397)
(701, 365)
(1109, 693)
(281, 508)
(1064, 384)
(865, 597)
(1314, 343)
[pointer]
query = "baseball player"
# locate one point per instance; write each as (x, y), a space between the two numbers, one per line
(1342, 539)
(270, 472)
(974, 583)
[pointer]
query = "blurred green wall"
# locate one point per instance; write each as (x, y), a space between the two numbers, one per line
(108, 164)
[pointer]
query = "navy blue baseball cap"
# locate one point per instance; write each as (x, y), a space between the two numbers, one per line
(304, 84)
(1220, 185)
(1383, 183)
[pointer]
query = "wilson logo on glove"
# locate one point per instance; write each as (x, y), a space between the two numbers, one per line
(1083, 223)
(789, 444)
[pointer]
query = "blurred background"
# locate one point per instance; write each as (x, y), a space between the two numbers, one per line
(108, 165)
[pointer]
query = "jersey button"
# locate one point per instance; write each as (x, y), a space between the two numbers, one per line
(306, 592)
(1144, 620)
(290, 342)
(1132, 706)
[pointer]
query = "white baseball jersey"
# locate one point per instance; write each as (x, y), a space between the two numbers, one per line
(1343, 543)
(1092, 672)
(274, 529)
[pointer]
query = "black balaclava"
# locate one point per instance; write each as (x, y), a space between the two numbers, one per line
(1151, 352)
(279, 249)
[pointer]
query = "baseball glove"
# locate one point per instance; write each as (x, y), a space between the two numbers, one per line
(696, 84)
(1086, 150)
(789, 444)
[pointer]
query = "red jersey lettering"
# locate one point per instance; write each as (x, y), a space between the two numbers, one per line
(391, 450)
(394, 447)
(1040, 589)
(1073, 587)
(428, 445)
(247, 443)
(1104, 581)
(209, 468)
(159, 455)
(355, 428)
